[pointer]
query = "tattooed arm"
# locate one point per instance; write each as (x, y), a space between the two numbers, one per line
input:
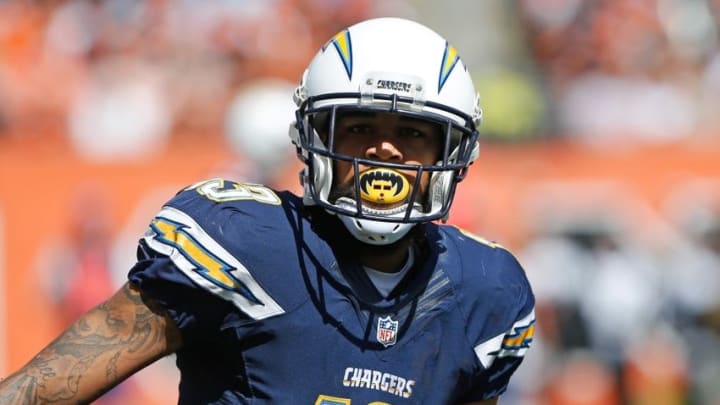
(101, 349)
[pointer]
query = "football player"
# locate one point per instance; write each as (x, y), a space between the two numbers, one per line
(354, 292)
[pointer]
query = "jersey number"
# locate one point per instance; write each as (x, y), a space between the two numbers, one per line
(220, 190)
(328, 400)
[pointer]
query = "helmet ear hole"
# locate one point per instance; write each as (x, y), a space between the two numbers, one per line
(320, 122)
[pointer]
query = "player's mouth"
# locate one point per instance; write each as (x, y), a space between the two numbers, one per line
(383, 187)
(383, 191)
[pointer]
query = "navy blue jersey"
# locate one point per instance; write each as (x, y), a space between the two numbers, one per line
(274, 309)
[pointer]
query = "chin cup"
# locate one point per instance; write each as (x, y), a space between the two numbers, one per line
(375, 232)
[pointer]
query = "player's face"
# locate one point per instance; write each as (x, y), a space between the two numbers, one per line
(385, 137)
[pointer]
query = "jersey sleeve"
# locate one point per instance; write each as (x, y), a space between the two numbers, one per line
(192, 309)
(501, 324)
(188, 265)
(503, 355)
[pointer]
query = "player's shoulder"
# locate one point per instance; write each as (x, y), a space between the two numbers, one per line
(491, 286)
(479, 256)
(217, 204)
(220, 193)
(239, 217)
(228, 239)
(468, 239)
(485, 273)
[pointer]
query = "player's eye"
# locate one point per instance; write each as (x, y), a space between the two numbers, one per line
(360, 129)
(410, 132)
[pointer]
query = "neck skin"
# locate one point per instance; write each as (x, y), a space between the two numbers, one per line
(387, 259)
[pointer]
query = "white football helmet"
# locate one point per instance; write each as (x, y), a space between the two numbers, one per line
(386, 65)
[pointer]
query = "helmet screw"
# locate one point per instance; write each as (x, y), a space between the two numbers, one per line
(369, 81)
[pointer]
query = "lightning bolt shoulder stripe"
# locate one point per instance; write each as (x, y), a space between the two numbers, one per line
(514, 342)
(202, 259)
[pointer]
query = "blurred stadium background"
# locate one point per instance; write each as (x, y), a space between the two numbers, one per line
(600, 166)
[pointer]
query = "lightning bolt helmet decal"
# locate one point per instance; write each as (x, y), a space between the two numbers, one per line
(343, 45)
(449, 60)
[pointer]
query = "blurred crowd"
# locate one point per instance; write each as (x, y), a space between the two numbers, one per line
(629, 301)
(624, 317)
(599, 70)
(641, 68)
(118, 78)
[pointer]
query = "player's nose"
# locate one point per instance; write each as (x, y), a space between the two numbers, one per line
(385, 150)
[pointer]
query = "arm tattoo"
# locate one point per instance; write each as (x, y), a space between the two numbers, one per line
(93, 348)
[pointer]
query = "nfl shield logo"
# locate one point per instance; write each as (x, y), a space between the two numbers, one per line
(387, 331)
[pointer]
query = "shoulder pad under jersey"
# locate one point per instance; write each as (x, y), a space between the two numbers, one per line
(226, 238)
(495, 294)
